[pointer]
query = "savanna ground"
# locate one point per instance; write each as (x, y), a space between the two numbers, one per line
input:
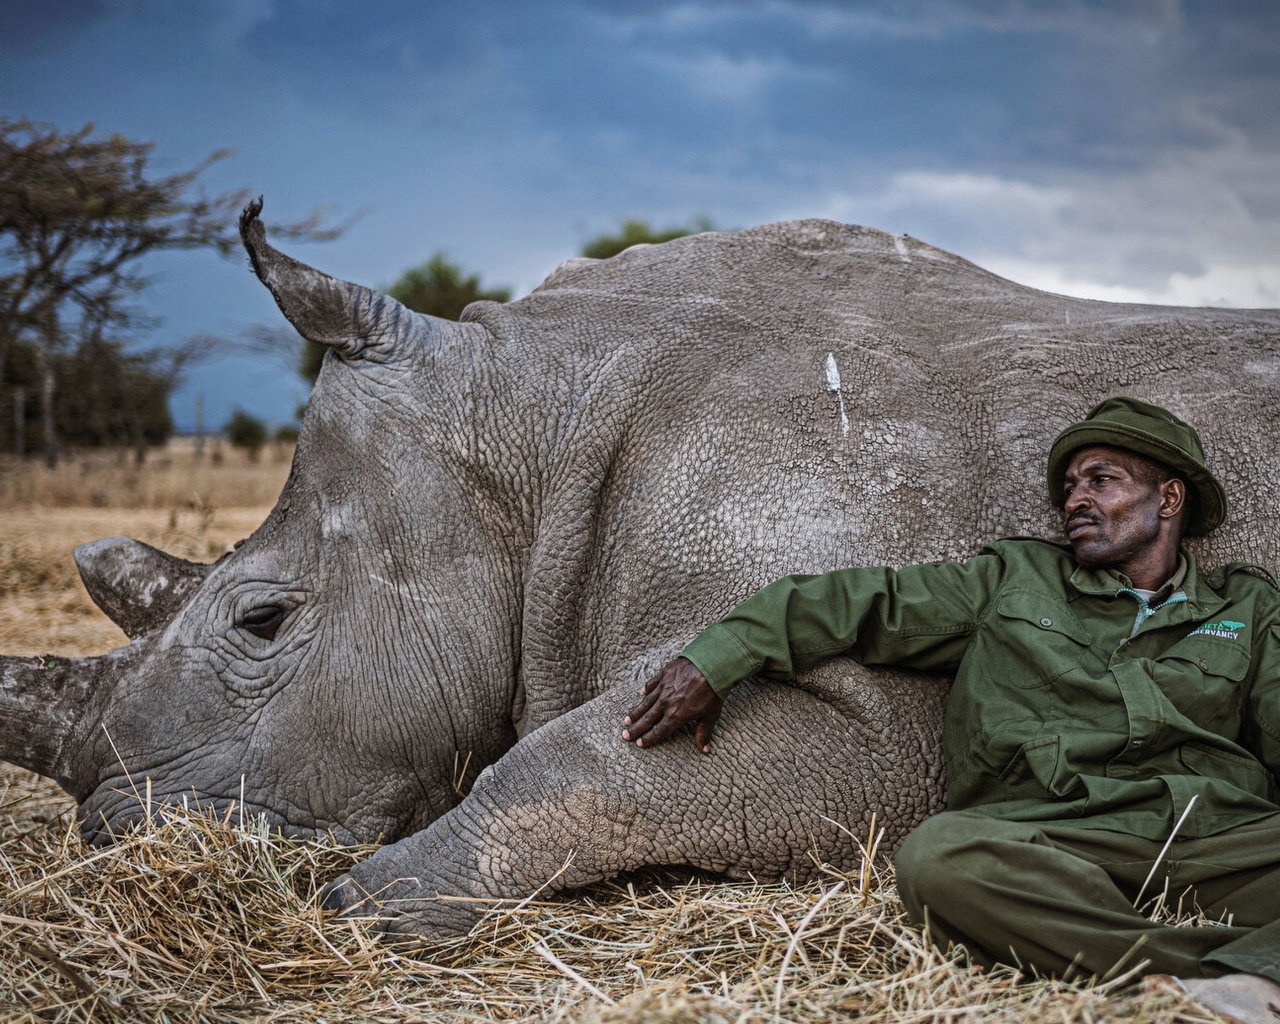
(201, 920)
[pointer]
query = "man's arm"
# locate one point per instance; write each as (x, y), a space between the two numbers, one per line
(917, 617)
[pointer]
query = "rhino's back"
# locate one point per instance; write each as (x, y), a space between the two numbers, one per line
(807, 394)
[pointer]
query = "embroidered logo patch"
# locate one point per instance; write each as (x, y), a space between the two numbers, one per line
(1227, 629)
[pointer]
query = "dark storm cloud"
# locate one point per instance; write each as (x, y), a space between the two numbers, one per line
(1124, 150)
(24, 24)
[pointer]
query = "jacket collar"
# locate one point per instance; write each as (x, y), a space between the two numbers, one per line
(1201, 601)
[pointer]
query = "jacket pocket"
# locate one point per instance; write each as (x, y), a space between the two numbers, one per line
(1204, 680)
(1226, 658)
(1036, 771)
(1035, 639)
(1240, 770)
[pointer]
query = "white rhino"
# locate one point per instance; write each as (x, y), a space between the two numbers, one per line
(496, 530)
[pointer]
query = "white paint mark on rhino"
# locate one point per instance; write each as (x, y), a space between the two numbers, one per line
(833, 384)
(833, 373)
(900, 246)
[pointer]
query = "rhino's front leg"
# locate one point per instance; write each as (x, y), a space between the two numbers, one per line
(787, 780)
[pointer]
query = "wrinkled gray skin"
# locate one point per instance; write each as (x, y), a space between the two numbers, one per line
(496, 530)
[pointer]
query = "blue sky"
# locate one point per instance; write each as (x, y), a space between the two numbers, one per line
(1122, 150)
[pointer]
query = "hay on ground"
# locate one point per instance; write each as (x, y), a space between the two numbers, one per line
(200, 919)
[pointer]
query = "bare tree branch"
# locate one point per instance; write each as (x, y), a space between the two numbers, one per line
(77, 214)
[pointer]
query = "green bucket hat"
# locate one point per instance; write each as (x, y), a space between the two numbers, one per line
(1151, 431)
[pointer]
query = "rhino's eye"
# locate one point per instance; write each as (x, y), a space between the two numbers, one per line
(262, 621)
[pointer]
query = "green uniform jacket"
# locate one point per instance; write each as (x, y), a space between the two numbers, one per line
(1068, 702)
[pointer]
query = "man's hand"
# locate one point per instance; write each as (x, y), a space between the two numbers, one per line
(673, 698)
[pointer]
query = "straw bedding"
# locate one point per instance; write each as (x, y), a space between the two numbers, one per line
(197, 919)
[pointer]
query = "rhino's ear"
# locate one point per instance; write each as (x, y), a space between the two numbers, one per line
(139, 587)
(356, 321)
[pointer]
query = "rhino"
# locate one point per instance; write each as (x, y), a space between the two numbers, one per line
(495, 530)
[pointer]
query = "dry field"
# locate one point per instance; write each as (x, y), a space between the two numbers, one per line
(199, 920)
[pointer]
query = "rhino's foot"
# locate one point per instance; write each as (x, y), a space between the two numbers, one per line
(401, 910)
(343, 896)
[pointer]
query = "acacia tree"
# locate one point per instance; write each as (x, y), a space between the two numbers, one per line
(77, 215)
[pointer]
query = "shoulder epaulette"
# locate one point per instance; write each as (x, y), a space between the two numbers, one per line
(1218, 577)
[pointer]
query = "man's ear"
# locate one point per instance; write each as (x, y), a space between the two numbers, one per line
(1173, 498)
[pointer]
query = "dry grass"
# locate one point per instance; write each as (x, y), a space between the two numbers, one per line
(195, 919)
(194, 508)
(200, 920)
(171, 478)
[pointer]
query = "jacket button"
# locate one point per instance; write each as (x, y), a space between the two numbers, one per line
(1046, 622)
(1204, 665)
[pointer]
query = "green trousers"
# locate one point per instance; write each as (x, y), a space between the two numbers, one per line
(1044, 896)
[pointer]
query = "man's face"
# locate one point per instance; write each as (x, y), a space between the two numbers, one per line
(1112, 513)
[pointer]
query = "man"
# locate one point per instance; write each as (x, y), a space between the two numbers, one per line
(1107, 697)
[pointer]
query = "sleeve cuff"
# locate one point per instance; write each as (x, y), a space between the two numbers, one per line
(721, 658)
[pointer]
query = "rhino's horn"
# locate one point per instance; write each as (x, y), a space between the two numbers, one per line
(347, 317)
(139, 587)
(42, 701)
